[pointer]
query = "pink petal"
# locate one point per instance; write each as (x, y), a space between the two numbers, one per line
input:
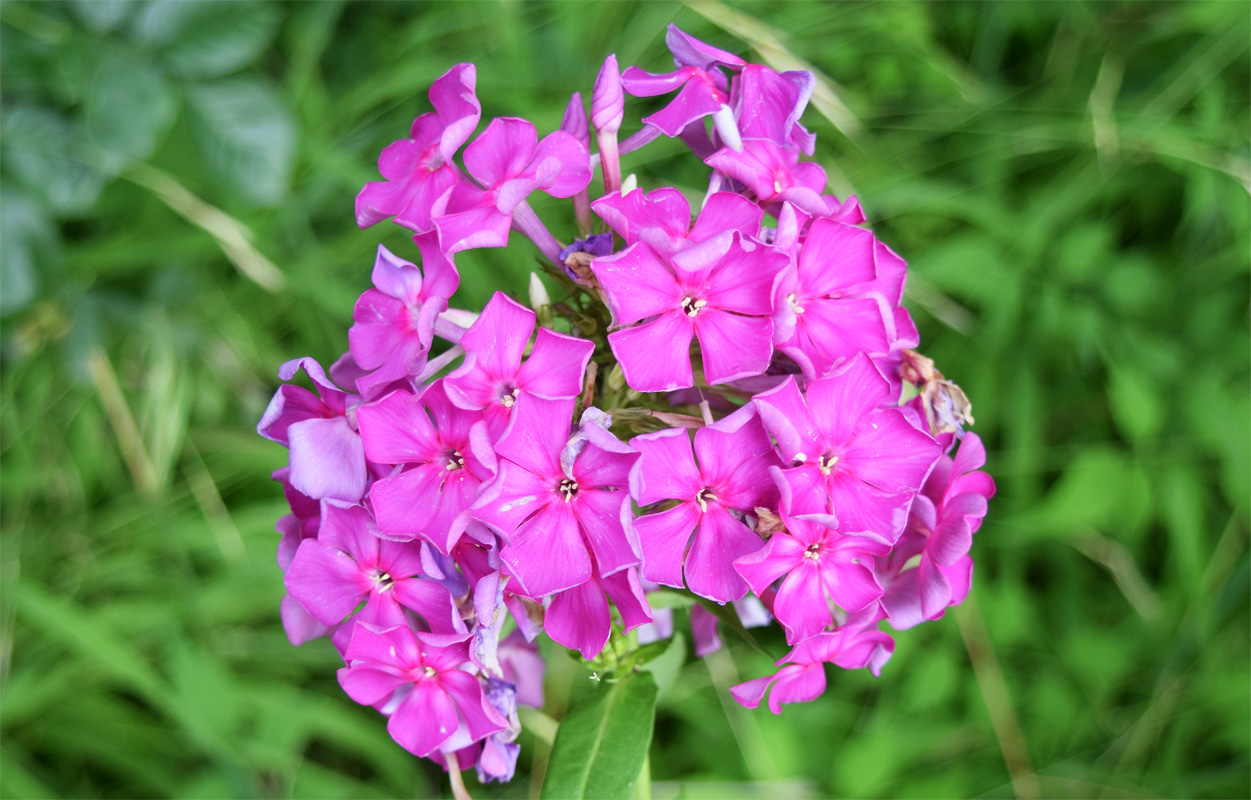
(866, 509)
(326, 581)
(536, 435)
(641, 83)
(499, 336)
(735, 455)
(796, 684)
(777, 557)
(733, 347)
(835, 256)
(397, 430)
(427, 197)
(663, 538)
(655, 356)
(299, 625)
(935, 590)
(743, 280)
(432, 601)
(547, 553)
(426, 719)
(787, 418)
(666, 467)
(599, 513)
(626, 592)
(502, 151)
(350, 529)
(690, 51)
(889, 453)
(750, 693)
(638, 284)
(513, 496)
(371, 684)
(423, 501)
(664, 215)
(851, 586)
(453, 98)
(556, 365)
(480, 716)
(476, 224)
(696, 100)
(830, 331)
(801, 605)
(839, 403)
(579, 619)
(719, 541)
(563, 165)
(727, 211)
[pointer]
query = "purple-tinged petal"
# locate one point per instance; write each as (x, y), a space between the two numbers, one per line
(432, 601)
(480, 716)
(704, 631)
(626, 592)
(935, 590)
(697, 99)
(300, 626)
(769, 105)
(733, 346)
(655, 356)
(689, 51)
(290, 404)
(951, 540)
(453, 98)
(327, 459)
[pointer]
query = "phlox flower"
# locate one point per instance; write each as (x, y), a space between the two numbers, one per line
(394, 322)
(940, 531)
(726, 304)
(327, 457)
(432, 702)
(848, 453)
(775, 175)
(444, 453)
(493, 375)
(509, 163)
(819, 562)
(348, 563)
(700, 536)
(419, 170)
(558, 498)
(803, 677)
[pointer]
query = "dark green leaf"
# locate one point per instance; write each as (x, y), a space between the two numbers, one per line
(30, 245)
(601, 744)
(208, 39)
(42, 148)
(128, 111)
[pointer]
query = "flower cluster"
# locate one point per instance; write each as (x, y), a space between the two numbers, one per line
(716, 405)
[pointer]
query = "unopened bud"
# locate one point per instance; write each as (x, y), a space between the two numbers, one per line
(615, 381)
(608, 98)
(727, 128)
(538, 293)
(629, 183)
(574, 122)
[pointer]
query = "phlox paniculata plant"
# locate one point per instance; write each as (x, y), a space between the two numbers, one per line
(725, 406)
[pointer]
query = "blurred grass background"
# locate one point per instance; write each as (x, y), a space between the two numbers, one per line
(1069, 181)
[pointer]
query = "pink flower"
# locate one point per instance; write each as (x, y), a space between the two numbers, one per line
(419, 170)
(493, 376)
(327, 457)
(847, 452)
(803, 677)
(394, 322)
(940, 531)
(775, 175)
(735, 455)
(817, 561)
(433, 704)
(509, 163)
(723, 300)
(348, 563)
(558, 498)
(445, 453)
(702, 87)
(821, 317)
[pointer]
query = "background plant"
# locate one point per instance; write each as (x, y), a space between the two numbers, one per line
(1069, 183)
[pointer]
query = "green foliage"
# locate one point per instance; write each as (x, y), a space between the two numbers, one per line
(1068, 180)
(602, 742)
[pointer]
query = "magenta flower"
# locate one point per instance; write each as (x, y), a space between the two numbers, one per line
(700, 534)
(662, 218)
(803, 677)
(419, 170)
(847, 453)
(444, 707)
(394, 322)
(445, 453)
(580, 619)
(348, 563)
(493, 376)
(702, 87)
(775, 175)
(768, 104)
(816, 322)
(940, 531)
(726, 305)
(509, 163)
(558, 498)
(818, 562)
(327, 457)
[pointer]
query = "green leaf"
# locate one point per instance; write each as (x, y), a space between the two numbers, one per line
(601, 744)
(246, 136)
(128, 110)
(30, 242)
(41, 147)
(1136, 404)
(208, 39)
(102, 15)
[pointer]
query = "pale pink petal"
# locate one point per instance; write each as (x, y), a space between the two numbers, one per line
(327, 459)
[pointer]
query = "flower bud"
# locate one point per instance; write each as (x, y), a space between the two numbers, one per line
(608, 99)
(574, 122)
